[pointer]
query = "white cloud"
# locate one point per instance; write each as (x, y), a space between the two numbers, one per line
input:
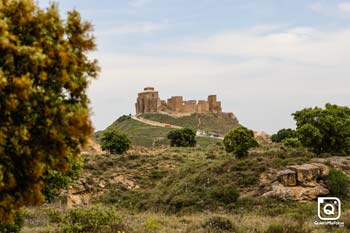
(307, 46)
(332, 9)
(261, 74)
(344, 7)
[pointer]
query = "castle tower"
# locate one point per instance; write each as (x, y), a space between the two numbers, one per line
(214, 106)
(147, 101)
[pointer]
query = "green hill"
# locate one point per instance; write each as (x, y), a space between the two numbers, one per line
(206, 121)
(145, 135)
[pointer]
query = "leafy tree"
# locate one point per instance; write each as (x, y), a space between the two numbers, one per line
(44, 114)
(115, 142)
(239, 141)
(324, 130)
(185, 137)
(283, 134)
(338, 183)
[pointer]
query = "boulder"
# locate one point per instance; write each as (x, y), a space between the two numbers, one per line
(307, 174)
(296, 193)
(287, 177)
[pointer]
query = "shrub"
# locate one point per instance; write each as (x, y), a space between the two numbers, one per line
(220, 224)
(338, 183)
(91, 219)
(239, 141)
(115, 142)
(185, 137)
(283, 134)
(226, 194)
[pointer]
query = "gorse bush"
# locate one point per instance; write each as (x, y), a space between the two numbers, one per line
(185, 137)
(44, 117)
(115, 142)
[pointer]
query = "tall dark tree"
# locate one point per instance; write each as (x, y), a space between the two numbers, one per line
(324, 130)
(44, 114)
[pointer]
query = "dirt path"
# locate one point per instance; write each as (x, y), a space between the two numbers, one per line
(155, 123)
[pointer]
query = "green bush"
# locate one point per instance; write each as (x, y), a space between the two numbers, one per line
(185, 137)
(338, 183)
(292, 142)
(239, 141)
(15, 226)
(220, 224)
(226, 194)
(115, 142)
(91, 219)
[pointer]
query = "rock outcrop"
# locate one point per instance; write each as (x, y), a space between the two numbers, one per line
(301, 182)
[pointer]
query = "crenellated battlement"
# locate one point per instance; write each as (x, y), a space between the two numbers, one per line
(149, 101)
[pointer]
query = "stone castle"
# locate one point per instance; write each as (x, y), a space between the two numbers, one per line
(149, 101)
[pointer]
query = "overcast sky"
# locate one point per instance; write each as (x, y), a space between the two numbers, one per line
(264, 59)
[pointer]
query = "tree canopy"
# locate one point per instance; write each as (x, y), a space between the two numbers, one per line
(324, 130)
(115, 142)
(44, 115)
(239, 141)
(185, 137)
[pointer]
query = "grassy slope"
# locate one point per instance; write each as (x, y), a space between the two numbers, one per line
(208, 122)
(144, 135)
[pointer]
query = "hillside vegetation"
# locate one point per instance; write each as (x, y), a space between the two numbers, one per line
(145, 135)
(208, 122)
(183, 190)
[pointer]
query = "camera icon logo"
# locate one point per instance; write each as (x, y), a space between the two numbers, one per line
(329, 208)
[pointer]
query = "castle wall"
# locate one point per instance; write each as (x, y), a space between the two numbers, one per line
(148, 101)
(189, 106)
(203, 106)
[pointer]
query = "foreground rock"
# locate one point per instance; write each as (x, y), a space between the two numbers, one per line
(297, 193)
